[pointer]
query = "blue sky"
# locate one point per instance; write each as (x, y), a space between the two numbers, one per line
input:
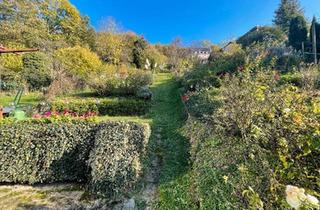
(192, 20)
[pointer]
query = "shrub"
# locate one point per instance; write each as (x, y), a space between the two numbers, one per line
(287, 63)
(78, 61)
(116, 158)
(128, 107)
(36, 70)
(112, 107)
(106, 156)
(261, 34)
(280, 122)
(307, 78)
(119, 81)
(144, 93)
(44, 153)
(203, 103)
(273, 130)
(200, 77)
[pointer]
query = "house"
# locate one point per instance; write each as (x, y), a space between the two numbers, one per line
(201, 53)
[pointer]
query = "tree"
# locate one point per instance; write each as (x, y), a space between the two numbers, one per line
(36, 70)
(298, 32)
(261, 34)
(288, 9)
(110, 25)
(109, 47)
(78, 61)
(43, 23)
(155, 57)
(64, 20)
(139, 53)
(317, 25)
(20, 23)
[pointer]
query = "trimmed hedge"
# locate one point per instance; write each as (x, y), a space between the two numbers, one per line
(105, 156)
(111, 107)
(44, 153)
(124, 143)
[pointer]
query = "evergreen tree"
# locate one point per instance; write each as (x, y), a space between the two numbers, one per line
(288, 9)
(317, 25)
(139, 53)
(298, 32)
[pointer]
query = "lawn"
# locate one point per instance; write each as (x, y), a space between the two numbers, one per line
(27, 98)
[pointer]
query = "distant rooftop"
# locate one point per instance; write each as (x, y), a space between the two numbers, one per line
(200, 50)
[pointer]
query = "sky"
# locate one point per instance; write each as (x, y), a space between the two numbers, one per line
(192, 20)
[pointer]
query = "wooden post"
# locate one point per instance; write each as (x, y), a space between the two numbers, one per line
(314, 42)
(1, 113)
(303, 50)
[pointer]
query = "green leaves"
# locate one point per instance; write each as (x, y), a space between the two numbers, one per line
(38, 152)
(106, 156)
(111, 107)
(116, 158)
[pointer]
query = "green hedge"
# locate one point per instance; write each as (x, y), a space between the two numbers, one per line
(124, 143)
(44, 153)
(111, 107)
(105, 156)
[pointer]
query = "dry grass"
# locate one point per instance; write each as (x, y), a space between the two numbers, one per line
(58, 196)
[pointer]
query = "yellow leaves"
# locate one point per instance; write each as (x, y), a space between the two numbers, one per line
(260, 92)
(12, 62)
(297, 118)
(225, 179)
(253, 198)
(110, 47)
(78, 61)
(315, 106)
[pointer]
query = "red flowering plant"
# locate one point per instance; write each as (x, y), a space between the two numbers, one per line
(185, 98)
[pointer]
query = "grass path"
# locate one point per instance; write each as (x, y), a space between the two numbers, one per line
(168, 147)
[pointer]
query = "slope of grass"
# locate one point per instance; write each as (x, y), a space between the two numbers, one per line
(168, 117)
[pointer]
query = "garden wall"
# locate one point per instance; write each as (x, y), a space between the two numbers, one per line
(106, 156)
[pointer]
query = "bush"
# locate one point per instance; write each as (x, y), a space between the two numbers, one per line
(307, 78)
(36, 70)
(116, 158)
(120, 81)
(287, 63)
(261, 34)
(280, 120)
(128, 107)
(106, 156)
(45, 153)
(144, 93)
(200, 77)
(203, 103)
(78, 61)
(273, 130)
(112, 107)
